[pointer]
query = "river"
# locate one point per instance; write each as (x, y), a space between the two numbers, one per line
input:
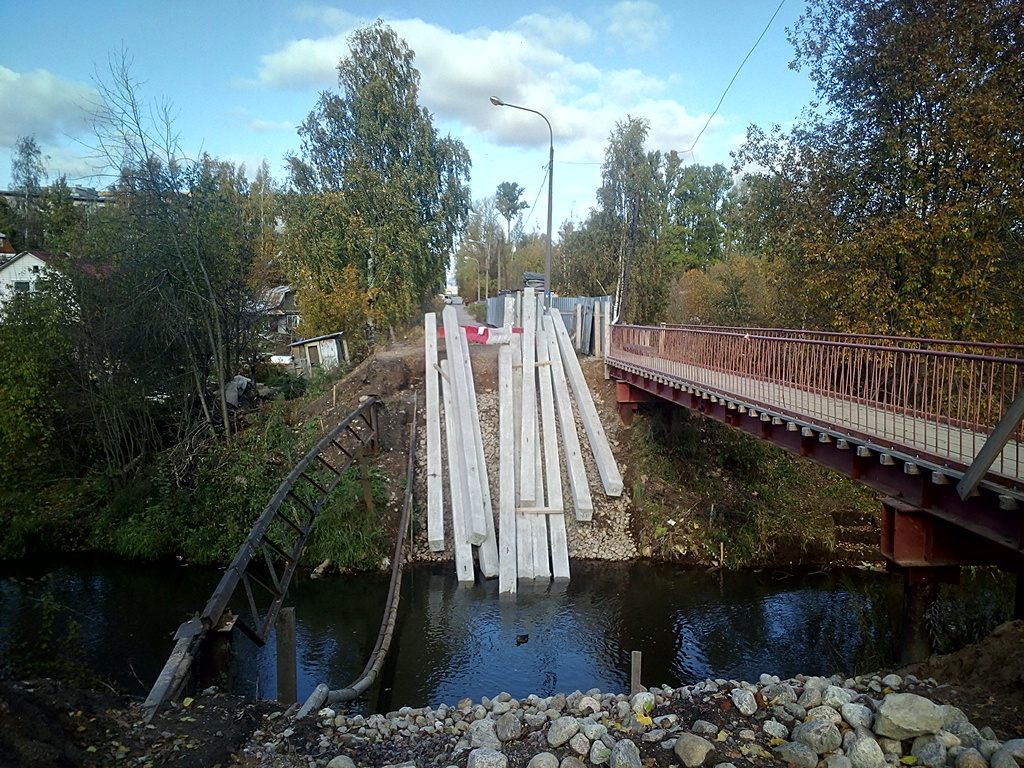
(454, 641)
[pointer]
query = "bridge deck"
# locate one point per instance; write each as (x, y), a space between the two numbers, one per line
(945, 445)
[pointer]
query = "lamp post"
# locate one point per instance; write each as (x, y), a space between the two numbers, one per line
(474, 258)
(551, 172)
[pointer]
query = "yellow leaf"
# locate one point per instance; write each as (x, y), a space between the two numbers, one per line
(644, 719)
(90, 749)
(187, 701)
(722, 735)
(908, 760)
(776, 742)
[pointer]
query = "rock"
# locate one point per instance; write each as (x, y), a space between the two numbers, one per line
(781, 693)
(1002, 759)
(895, 682)
(811, 697)
(543, 760)
(485, 757)
(1016, 748)
(592, 730)
(599, 753)
(580, 744)
(744, 701)
(508, 727)
(907, 715)
(967, 733)
(970, 758)
(561, 730)
(838, 761)
(797, 754)
(692, 749)
(341, 761)
(820, 735)
(642, 703)
(865, 753)
(588, 704)
(988, 747)
(891, 746)
(835, 697)
(482, 733)
(704, 728)
(775, 729)
(571, 762)
(824, 712)
(857, 714)
(625, 754)
(929, 750)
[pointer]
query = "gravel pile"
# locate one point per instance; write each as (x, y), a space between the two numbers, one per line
(804, 722)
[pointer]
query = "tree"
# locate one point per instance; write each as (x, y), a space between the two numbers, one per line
(404, 186)
(898, 205)
(695, 231)
(507, 201)
(28, 175)
(617, 250)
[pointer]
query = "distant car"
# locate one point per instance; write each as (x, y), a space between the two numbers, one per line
(456, 300)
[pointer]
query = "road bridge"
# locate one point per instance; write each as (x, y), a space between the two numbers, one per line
(907, 417)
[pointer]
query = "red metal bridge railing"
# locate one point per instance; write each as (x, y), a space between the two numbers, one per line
(925, 397)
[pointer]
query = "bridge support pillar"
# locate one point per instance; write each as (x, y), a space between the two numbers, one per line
(215, 659)
(629, 397)
(1018, 596)
(920, 590)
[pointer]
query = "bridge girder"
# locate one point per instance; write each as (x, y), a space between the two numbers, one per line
(925, 522)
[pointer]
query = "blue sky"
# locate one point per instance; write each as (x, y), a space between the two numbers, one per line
(241, 76)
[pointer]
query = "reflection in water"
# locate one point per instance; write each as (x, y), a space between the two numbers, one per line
(454, 641)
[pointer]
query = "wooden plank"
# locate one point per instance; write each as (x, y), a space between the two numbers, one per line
(456, 485)
(607, 315)
(488, 552)
(583, 501)
(524, 537)
(435, 484)
(510, 310)
(528, 445)
(598, 329)
(508, 568)
(606, 466)
(476, 524)
(553, 469)
(538, 524)
(577, 326)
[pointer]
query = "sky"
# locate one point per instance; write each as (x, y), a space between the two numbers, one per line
(240, 77)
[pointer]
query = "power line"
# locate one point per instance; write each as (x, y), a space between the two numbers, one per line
(726, 91)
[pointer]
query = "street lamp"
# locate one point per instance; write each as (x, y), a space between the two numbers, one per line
(551, 172)
(474, 258)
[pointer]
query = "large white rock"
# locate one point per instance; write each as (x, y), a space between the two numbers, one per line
(865, 753)
(820, 735)
(907, 715)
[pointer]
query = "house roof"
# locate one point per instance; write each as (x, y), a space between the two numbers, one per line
(82, 264)
(302, 342)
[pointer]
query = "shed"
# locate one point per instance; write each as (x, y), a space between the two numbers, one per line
(322, 352)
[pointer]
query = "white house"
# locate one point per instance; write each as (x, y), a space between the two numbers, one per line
(322, 352)
(20, 272)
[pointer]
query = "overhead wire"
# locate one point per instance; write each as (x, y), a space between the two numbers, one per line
(735, 75)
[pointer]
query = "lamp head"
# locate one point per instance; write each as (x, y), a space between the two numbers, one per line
(497, 102)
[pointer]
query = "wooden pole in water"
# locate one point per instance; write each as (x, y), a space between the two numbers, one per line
(635, 661)
(287, 677)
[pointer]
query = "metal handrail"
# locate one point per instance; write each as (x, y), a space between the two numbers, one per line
(280, 546)
(938, 398)
(322, 694)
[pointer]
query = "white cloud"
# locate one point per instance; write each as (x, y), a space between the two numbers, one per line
(639, 23)
(270, 126)
(43, 105)
(521, 65)
(556, 32)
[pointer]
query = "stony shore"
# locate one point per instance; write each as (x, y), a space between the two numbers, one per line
(804, 722)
